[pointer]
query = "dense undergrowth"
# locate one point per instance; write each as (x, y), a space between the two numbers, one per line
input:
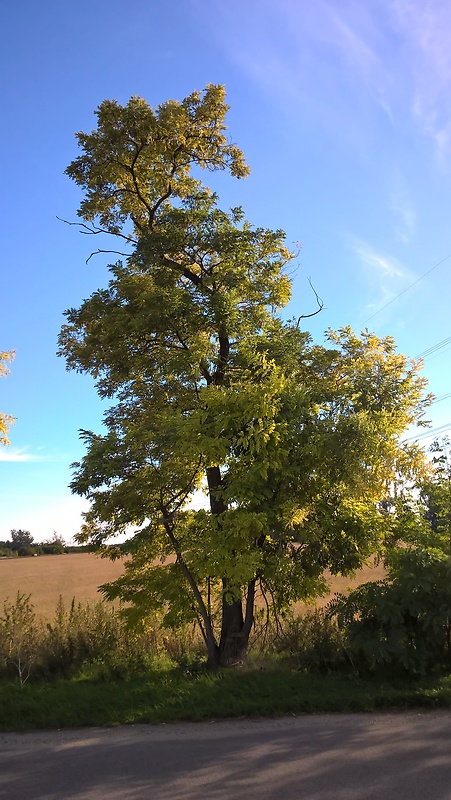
(85, 667)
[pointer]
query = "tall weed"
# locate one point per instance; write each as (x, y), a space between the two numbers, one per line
(310, 641)
(21, 638)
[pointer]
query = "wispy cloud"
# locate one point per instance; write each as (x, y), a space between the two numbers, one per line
(296, 51)
(402, 209)
(404, 53)
(339, 58)
(7, 454)
(378, 264)
(426, 29)
(384, 275)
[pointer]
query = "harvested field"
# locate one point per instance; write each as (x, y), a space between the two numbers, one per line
(45, 578)
(78, 575)
(344, 585)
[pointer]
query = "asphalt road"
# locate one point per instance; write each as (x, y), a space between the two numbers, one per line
(324, 757)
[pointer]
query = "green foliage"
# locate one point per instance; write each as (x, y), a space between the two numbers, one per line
(21, 539)
(92, 639)
(5, 419)
(6, 551)
(51, 549)
(405, 620)
(311, 641)
(27, 551)
(20, 637)
(294, 444)
(84, 633)
(54, 546)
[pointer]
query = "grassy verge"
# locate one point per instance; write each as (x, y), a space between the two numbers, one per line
(173, 695)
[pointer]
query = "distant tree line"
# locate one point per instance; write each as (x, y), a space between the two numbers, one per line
(22, 543)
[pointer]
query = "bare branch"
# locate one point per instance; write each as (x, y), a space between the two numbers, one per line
(319, 301)
(96, 252)
(94, 230)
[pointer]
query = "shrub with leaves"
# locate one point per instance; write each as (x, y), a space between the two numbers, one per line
(311, 640)
(21, 637)
(404, 620)
(86, 632)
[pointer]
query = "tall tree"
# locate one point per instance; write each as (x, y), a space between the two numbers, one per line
(292, 443)
(21, 538)
(5, 419)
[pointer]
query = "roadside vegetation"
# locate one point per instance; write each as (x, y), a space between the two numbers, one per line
(300, 450)
(87, 668)
(385, 644)
(294, 444)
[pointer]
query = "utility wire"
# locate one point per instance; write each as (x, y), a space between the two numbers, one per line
(441, 429)
(434, 347)
(434, 355)
(443, 397)
(407, 289)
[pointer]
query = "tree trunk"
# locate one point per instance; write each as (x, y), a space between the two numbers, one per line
(212, 652)
(232, 647)
(235, 628)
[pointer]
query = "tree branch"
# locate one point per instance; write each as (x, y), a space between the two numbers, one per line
(94, 230)
(187, 273)
(319, 301)
(96, 252)
(210, 637)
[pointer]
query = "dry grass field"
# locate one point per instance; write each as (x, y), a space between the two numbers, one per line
(45, 578)
(78, 575)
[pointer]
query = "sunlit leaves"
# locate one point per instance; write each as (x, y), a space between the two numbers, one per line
(5, 419)
(293, 443)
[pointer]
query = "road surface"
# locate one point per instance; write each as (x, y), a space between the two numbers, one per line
(399, 756)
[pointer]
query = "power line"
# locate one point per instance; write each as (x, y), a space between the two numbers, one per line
(434, 347)
(443, 397)
(407, 288)
(434, 355)
(441, 429)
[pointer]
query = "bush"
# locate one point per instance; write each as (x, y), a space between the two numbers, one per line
(6, 552)
(52, 549)
(312, 640)
(90, 638)
(185, 647)
(21, 637)
(84, 633)
(405, 620)
(27, 551)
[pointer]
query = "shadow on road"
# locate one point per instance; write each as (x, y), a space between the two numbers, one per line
(331, 757)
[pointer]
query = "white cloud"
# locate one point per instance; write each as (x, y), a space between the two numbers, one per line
(334, 58)
(404, 214)
(7, 454)
(21, 455)
(426, 29)
(378, 264)
(385, 276)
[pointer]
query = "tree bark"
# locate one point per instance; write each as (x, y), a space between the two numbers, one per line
(235, 628)
(233, 643)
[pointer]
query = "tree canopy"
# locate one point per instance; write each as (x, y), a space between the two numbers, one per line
(21, 538)
(5, 419)
(293, 444)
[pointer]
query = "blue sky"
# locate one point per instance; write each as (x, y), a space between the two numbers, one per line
(343, 110)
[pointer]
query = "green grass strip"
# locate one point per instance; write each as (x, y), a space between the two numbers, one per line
(164, 696)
